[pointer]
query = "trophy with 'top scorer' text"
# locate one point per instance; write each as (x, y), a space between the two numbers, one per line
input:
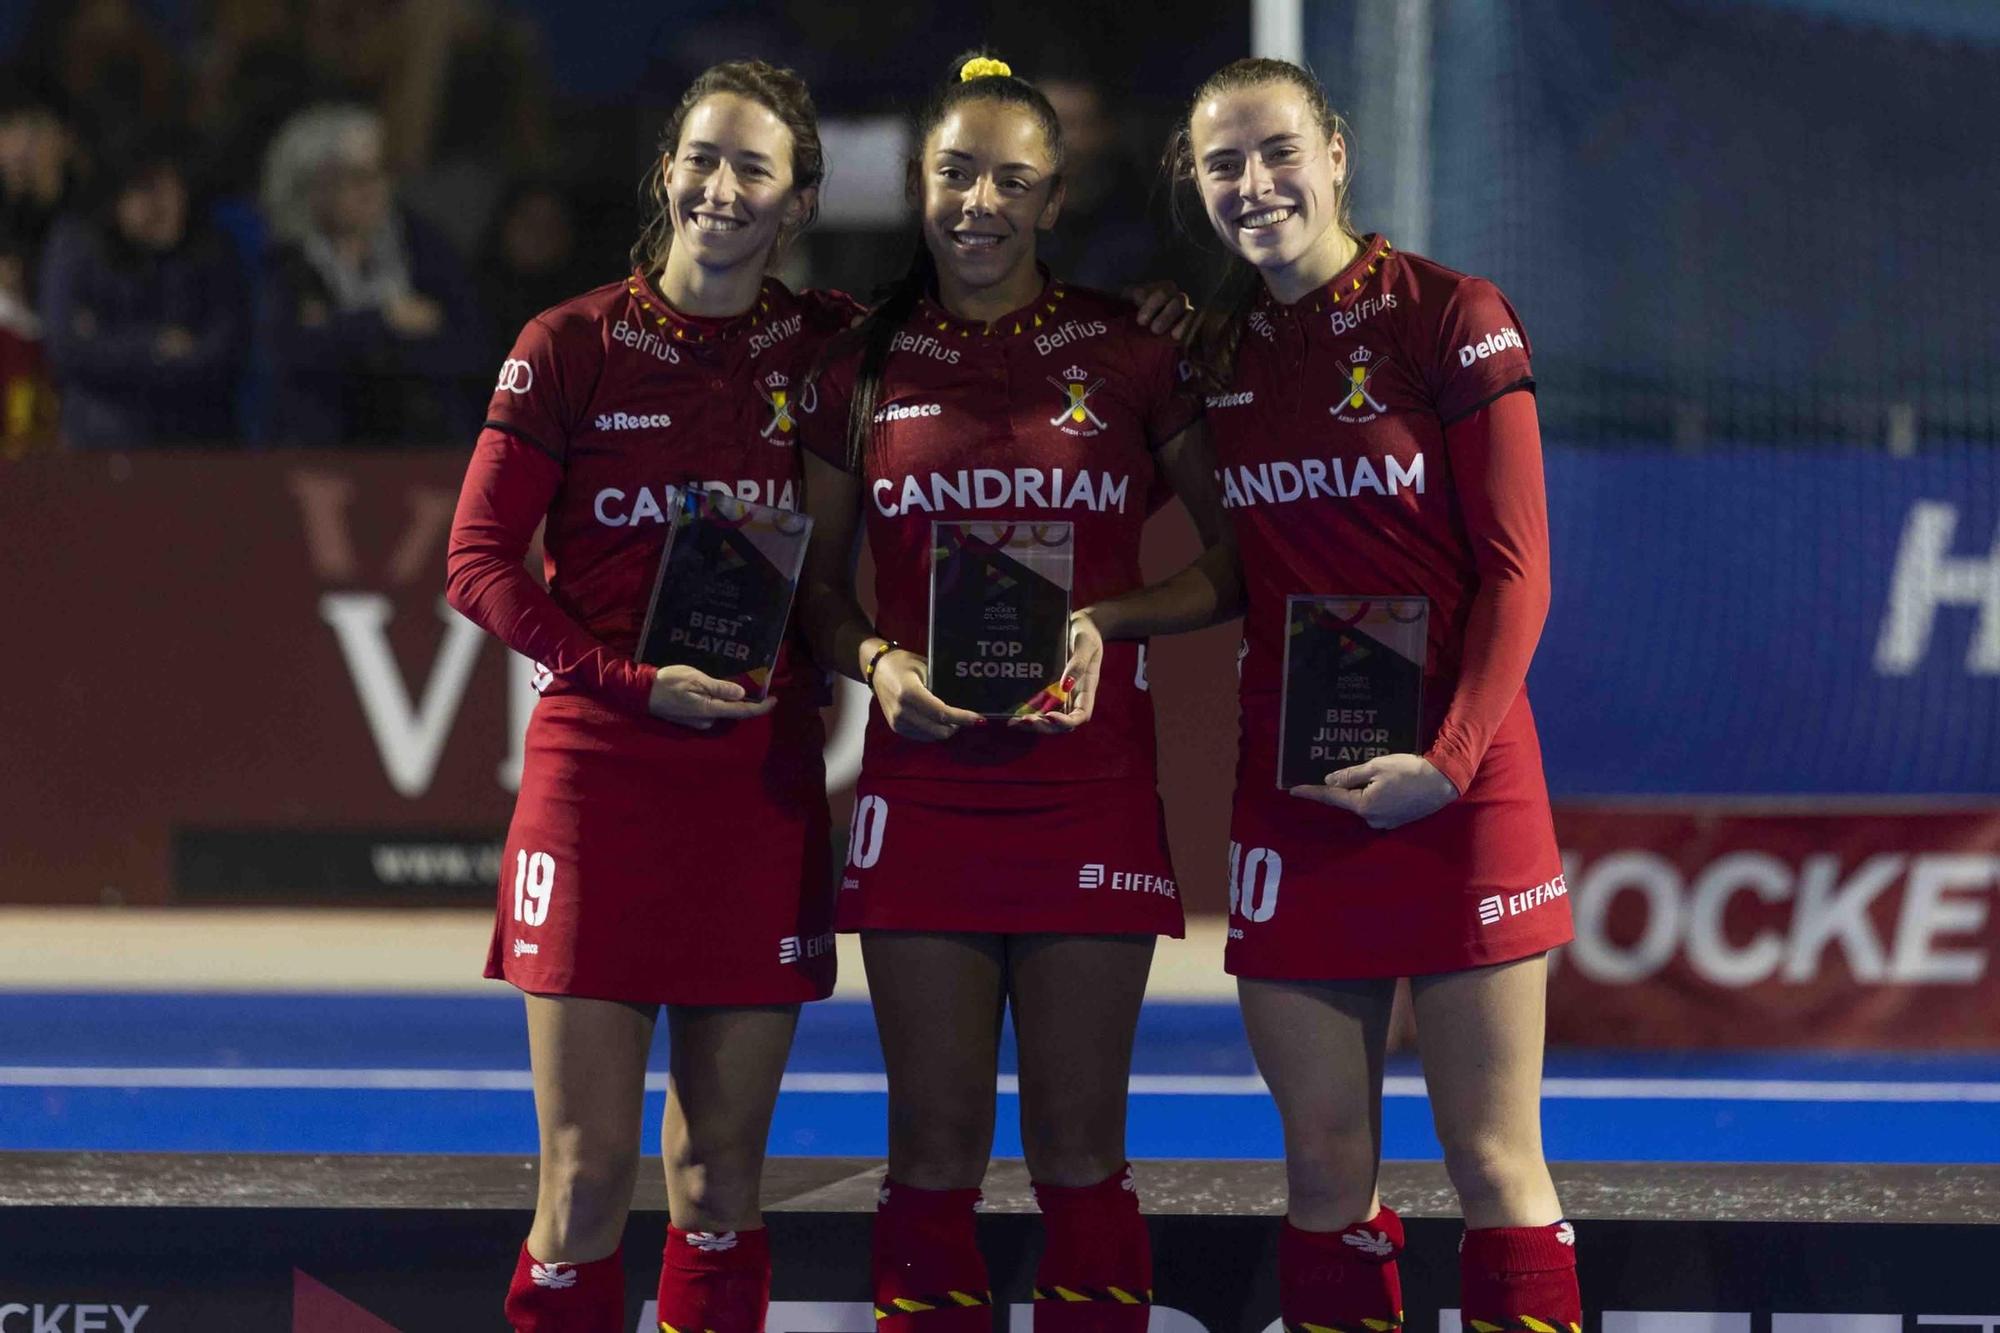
(999, 627)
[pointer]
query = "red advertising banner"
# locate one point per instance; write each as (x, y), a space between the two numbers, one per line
(206, 651)
(1739, 926)
(232, 678)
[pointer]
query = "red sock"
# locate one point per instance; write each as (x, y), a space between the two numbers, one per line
(928, 1273)
(1096, 1274)
(715, 1281)
(567, 1298)
(1519, 1278)
(1344, 1279)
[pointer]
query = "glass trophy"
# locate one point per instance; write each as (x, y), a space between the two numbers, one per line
(999, 628)
(1354, 676)
(724, 589)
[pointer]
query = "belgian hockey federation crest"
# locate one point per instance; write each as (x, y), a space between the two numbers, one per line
(1360, 404)
(775, 390)
(1077, 416)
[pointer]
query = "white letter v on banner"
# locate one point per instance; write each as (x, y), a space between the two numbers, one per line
(409, 739)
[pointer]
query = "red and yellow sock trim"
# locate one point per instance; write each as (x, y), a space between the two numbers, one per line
(950, 1300)
(1109, 1295)
(1362, 1326)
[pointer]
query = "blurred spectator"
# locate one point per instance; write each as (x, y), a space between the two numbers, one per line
(108, 62)
(459, 84)
(471, 111)
(530, 261)
(1106, 237)
(38, 170)
(366, 315)
(27, 395)
(144, 310)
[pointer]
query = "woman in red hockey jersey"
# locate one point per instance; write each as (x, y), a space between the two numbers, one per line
(670, 837)
(1374, 422)
(997, 864)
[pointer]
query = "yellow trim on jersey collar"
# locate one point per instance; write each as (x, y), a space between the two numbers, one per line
(1337, 291)
(642, 291)
(932, 317)
(1346, 284)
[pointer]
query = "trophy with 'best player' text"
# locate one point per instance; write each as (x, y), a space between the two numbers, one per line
(999, 633)
(1354, 676)
(724, 588)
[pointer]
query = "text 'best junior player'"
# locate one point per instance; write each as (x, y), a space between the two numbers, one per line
(1374, 422)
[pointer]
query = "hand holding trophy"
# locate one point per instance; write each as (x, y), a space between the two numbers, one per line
(1001, 635)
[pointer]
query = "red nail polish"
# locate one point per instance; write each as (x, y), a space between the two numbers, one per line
(1069, 683)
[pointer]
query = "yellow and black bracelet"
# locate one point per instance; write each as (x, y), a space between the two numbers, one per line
(868, 672)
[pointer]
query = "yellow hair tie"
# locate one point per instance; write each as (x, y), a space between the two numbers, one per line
(984, 67)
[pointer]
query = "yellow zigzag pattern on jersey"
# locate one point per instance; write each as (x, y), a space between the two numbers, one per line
(1524, 1323)
(1114, 1295)
(924, 1304)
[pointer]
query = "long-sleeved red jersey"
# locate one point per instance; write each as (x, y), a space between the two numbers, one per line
(606, 401)
(646, 861)
(1378, 439)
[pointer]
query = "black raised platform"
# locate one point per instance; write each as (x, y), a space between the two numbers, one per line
(208, 1242)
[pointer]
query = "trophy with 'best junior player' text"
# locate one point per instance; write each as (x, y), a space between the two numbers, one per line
(724, 588)
(1354, 676)
(999, 630)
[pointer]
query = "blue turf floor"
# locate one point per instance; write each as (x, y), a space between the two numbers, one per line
(289, 1073)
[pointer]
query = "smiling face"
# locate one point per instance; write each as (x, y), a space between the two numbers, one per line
(729, 183)
(1270, 178)
(988, 185)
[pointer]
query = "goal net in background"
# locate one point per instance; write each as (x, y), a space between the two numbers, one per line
(1721, 221)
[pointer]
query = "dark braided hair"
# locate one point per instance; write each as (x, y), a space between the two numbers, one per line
(1218, 329)
(896, 302)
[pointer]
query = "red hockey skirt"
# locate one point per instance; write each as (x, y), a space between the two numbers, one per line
(1009, 858)
(651, 863)
(1317, 895)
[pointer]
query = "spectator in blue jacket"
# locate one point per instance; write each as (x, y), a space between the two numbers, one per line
(143, 310)
(365, 314)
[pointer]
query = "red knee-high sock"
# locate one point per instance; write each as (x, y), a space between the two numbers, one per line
(1519, 1278)
(928, 1273)
(567, 1298)
(1096, 1274)
(1344, 1279)
(715, 1281)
